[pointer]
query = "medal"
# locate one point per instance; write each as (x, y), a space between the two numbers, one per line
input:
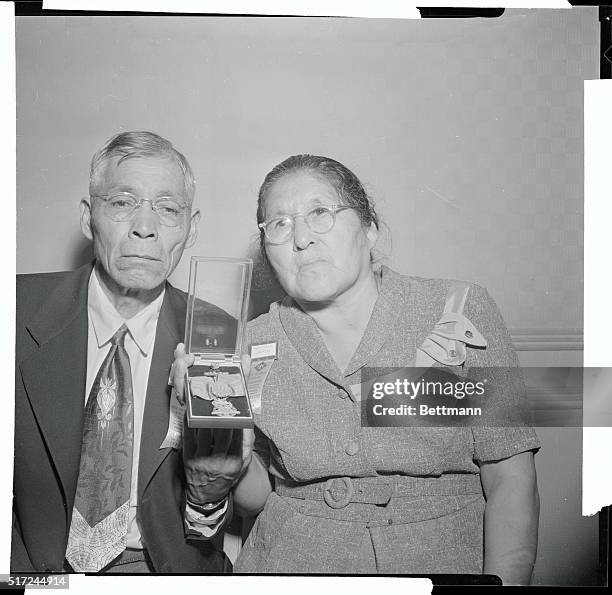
(223, 408)
(218, 387)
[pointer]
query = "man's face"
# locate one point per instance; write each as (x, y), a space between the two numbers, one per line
(138, 254)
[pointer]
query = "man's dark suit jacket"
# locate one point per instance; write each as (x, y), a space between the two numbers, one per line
(50, 376)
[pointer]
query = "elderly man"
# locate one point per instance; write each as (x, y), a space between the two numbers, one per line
(94, 490)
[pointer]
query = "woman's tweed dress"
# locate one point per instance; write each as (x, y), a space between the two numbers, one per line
(417, 503)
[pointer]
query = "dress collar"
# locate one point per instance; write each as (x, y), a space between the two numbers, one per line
(306, 338)
(387, 309)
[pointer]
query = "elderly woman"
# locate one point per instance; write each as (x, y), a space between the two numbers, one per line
(331, 495)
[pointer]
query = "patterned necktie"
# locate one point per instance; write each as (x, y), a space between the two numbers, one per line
(100, 515)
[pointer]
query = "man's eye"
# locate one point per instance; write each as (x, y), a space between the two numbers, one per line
(168, 208)
(121, 202)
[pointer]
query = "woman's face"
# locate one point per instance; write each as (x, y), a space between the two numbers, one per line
(314, 267)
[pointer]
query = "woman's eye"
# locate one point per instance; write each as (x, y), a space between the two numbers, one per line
(319, 212)
(281, 223)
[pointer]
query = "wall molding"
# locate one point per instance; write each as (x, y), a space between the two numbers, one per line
(533, 339)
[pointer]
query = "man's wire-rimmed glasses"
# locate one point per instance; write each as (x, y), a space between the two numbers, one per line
(320, 219)
(121, 206)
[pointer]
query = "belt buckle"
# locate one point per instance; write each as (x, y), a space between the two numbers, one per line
(330, 498)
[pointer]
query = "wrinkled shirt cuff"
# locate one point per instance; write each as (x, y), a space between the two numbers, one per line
(200, 524)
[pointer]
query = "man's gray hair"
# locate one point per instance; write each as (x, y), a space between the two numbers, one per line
(139, 143)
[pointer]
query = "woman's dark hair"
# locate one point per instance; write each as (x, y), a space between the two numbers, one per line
(350, 190)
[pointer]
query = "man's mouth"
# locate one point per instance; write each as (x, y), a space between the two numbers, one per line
(141, 256)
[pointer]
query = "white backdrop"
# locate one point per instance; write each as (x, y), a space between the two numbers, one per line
(467, 132)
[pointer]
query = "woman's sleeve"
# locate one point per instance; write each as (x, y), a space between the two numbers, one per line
(504, 429)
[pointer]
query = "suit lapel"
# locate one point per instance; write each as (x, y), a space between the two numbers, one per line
(54, 375)
(169, 332)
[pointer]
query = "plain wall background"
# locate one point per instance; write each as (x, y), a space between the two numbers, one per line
(468, 134)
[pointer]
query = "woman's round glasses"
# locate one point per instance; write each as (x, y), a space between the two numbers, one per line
(321, 219)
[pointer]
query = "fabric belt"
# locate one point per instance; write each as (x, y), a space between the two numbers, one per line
(338, 492)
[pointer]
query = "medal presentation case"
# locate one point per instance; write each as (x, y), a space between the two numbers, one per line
(217, 306)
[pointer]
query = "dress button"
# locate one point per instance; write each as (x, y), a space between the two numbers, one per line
(342, 394)
(351, 448)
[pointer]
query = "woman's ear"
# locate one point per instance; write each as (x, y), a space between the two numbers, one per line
(372, 235)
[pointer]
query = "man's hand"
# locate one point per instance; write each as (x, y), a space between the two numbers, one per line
(178, 372)
(214, 459)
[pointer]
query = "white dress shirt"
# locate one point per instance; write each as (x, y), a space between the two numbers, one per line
(103, 322)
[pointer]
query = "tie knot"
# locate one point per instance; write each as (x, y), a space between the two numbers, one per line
(119, 336)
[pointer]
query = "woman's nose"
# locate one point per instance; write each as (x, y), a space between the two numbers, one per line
(302, 234)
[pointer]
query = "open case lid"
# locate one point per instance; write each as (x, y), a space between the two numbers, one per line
(217, 307)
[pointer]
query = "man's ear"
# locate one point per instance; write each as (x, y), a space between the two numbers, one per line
(193, 228)
(85, 207)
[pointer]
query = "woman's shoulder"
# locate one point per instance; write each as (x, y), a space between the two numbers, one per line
(261, 321)
(447, 301)
(471, 299)
(435, 289)
(436, 282)
(262, 328)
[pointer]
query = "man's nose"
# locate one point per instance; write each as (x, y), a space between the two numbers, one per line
(145, 222)
(302, 234)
